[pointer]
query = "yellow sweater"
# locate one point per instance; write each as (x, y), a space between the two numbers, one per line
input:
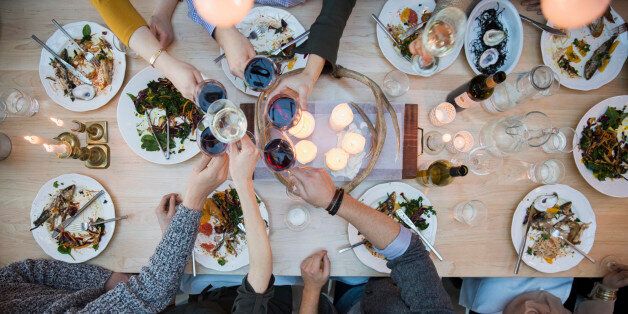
(120, 16)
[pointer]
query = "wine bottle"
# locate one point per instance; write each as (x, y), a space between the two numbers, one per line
(440, 173)
(478, 89)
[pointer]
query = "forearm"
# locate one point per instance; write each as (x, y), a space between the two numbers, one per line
(55, 274)
(309, 300)
(377, 227)
(260, 256)
(165, 8)
(589, 306)
(314, 67)
(120, 16)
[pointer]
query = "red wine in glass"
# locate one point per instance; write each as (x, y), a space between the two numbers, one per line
(207, 92)
(260, 73)
(284, 112)
(209, 144)
(279, 155)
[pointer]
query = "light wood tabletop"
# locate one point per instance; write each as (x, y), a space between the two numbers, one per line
(137, 185)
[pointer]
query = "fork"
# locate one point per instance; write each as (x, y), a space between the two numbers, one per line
(619, 29)
(86, 225)
(88, 55)
(542, 26)
(252, 36)
(556, 234)
(390, 36)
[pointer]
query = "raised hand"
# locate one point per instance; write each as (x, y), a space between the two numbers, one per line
(314, 186)
(242, 160)
(238, 49)
(206, 176)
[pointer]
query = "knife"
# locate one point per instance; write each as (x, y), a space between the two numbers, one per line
(88, 55)
(68, 66)
(401, 214)
(286, 45)
(150, 129)
(167, 136)
(351, 246)
(68, 221)
(411, 31)
(383, 27)
(525, 238)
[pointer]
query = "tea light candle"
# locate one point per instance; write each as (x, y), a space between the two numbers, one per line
(442, 114)
(341, 116)
(353, 143)
(305, 127)
(336, 159)
(462, 142)
(305, 151)
(59, 150)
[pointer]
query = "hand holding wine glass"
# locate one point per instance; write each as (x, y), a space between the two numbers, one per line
(242, 160)
(207, 175)
(314, 185)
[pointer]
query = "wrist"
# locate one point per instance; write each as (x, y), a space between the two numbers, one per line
(163, 61)
(193, 201)
(311, 290)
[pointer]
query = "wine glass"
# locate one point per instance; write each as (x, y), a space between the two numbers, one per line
(228, 124)
(480, 161)
(280, 156)
(283, 110)
(206, 93)
(260, 73)
(442, 35)
(206, 140)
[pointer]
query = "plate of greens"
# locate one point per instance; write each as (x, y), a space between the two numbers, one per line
(151, 98)
(601, 146)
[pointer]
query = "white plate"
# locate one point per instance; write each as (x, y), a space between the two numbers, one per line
(599, 79)
(610, 187)
(57, 42)
(248, 24)
(372, 197)
(233, 262)
(128, 122)
(390, 15)
(102, 207)
(581, 208)
(512, 25)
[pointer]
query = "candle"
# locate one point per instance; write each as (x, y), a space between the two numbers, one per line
(336, 159)
(305, 151)
(59, 150)
(297, 218)
(305, 127)
(462, 142)
(353, 143)
(341, 116)
(442, 114)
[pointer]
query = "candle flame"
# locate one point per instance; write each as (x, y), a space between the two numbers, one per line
(56, 121)
(32, 139)
(49, 148)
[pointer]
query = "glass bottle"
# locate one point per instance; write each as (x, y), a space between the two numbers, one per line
(479, 88)
(440, 173)
(521, 87)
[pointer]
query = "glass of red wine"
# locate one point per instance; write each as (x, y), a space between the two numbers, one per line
(260, 73)
(279, 156)
(206, 93)
(283, 110)
(206, 140)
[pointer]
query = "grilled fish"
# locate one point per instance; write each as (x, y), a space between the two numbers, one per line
(598, 57)
(62, 200)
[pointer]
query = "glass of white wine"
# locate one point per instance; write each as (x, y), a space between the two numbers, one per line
(229, 122)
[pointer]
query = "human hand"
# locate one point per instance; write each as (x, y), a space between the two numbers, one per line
(162, 29)
(166, 209)
(314, 185)
(242, 160)
(302, 83)
(207, 175)
(115, 279)
(315, 271)
(183, 75)
(238, 49)
(617, 278)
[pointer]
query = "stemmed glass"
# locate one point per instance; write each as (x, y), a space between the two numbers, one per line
(280, 156)
(260, 73)
(283, 110)
(206, 93)
(479, 160)
(442, 35)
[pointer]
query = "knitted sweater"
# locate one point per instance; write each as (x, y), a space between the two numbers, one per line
(54, 287)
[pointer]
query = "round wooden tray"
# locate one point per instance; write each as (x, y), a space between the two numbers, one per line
(378, 129)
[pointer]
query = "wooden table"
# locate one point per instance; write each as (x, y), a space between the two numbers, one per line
(136, 185)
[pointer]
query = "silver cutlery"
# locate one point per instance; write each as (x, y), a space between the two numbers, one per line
(88, 55)
(390, 36)
(348, 248)
(288, 44)
(150, 129)
(68, 221)
(86, 225)
(411, 31)
(193, 263)
(619, 29)
(167, 137)
(542, 26)
(252, 36)
(522, 246)
(401, 214)
(556, 234)
(68, 66)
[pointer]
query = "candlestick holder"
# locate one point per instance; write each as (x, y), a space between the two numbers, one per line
(97, 132)
(95, 156)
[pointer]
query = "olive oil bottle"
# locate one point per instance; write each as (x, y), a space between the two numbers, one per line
(440, 173)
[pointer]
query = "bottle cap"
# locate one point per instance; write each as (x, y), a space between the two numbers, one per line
(459, 171)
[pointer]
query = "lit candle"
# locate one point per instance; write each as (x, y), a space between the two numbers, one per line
(353, 143)
(462, 142)
(32, 139)
(336, 159)
(341, 116)
(305, 127)
(442, 114)
(59, 150)
(305, 151)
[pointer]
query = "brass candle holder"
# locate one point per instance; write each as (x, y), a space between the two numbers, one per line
(96, 131)
(95, 156)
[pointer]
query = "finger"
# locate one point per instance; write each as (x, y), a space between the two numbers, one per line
(280, 87)
(179, 199)
(197, 75)
(172, 203)
(326, 265)
(303, 98)
(202, 164)
(232, 150)
(163, 202)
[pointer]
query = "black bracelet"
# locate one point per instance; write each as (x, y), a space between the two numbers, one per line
(333, 207)
(333, 200)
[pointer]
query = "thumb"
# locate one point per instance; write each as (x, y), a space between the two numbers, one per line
(326, 265)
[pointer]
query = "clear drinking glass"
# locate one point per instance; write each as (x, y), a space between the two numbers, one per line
(396, 83)
(260, 73)
(481, 161)
(283, 110)
(206, 93)
(5, 146)
(206, 140)
(609, 263)
(120, 46)
(436, 141)
(550, 171)
(16, 103)
(560, 140)
(298, 218)
(514, 133)
(472, 212)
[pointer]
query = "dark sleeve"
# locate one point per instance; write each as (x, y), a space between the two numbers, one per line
(419, 284)
(326, 31)
(249, 301)
(56, 274)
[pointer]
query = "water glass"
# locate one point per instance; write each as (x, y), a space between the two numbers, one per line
(471, 213)
(435, 142)
(5, 146)
(16, 103)
(298, 218)
(481, 161)
(560, 141)
(550, 171)
(120, 46)
(396, 83)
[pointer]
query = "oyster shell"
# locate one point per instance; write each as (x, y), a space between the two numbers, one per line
(488, 58)
(493, 37)
(84, 92)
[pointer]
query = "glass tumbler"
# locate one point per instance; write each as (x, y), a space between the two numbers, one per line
(5, 146)
(471, 213)
(16, 103)
(550, 171)
(396, 83)
(560, 141)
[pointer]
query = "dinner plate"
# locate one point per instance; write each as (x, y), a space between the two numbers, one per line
(234, 262)
(102, 207)
(57, 42)
(372, 197)
(129, 122)
(610, 187)
(581, 208)
(550, 44)
(248, 24)
(390, 15)
(512, 25)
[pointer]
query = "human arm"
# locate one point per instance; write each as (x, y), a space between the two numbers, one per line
(315, 273)
(615, 279)
(160, 22)
(56, 274)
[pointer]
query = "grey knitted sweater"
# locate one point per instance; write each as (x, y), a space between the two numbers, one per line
(55, 287)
